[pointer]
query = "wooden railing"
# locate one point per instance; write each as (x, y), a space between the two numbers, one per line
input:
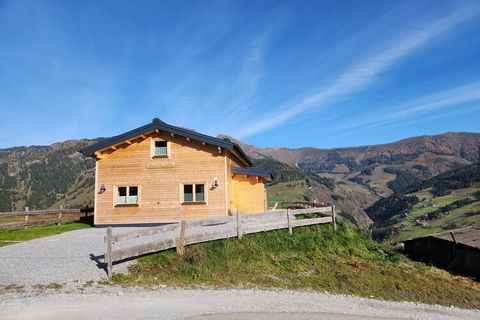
(177, 235)
(300, 204)
(16, 219)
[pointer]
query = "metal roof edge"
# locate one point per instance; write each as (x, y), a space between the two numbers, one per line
(160, 125)
(252, 172)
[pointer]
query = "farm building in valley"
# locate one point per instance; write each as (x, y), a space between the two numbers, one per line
(162, 173)
(456, 250)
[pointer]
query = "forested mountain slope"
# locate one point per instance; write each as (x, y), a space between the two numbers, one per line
(447, 201)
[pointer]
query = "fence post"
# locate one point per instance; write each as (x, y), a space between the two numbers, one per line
(26, 216)
(289, 222)
(181, 240)
(239, 225)
(108, 254)
(60, 214)
(334, 218)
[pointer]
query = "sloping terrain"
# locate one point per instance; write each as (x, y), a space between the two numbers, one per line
(349, 197)
(314, 258)
(448, 201)
(385, 168)
(39, 176)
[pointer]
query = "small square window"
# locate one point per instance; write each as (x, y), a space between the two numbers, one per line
(194, 193)
(161, 148)
(127, 195)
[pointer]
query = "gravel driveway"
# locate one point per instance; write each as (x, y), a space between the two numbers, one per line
(59, 259)
(219, 304)
(75, 256)
(70, 257)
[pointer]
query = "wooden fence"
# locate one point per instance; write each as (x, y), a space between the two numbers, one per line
(177, 235)
(300, 204)
(10, 220)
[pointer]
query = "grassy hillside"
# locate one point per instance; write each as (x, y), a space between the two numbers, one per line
(447, 201)
(349, 197)
(316, 258)
(416, 222)
(295, 184)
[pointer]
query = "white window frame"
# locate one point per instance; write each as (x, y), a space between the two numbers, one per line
(116, 196)
(194, 193)
(152, 148)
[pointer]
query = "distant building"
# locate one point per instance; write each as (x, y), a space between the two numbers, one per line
(162, 173)
(454, 250)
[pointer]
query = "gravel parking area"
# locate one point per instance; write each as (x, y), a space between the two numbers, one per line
(70, 257)
(209, 304)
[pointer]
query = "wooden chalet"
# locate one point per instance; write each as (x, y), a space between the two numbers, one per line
(162, 173)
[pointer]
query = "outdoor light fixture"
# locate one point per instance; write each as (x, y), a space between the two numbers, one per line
(215, 183)
(102, 189)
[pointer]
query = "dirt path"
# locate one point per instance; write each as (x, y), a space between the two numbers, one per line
(218, 304)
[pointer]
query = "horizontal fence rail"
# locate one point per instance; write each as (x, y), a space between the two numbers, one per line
(42, 217)
(178, 234)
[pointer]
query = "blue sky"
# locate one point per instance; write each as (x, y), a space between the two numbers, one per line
(270, 73)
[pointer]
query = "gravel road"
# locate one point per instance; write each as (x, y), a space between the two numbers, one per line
(218, 304)
(70, 257)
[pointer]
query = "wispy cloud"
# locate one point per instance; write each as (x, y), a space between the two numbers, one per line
(423, 107)
(247, 81)
(364, 73)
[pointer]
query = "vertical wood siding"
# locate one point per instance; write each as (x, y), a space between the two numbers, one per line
(248, 194)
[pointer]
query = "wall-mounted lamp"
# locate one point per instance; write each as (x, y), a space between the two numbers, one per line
(215, 183)
(102, 189)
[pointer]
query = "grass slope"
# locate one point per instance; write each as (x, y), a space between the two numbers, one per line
(37, 232)
(349, 197)
(317, 258)
(465, 216)
(437, 204)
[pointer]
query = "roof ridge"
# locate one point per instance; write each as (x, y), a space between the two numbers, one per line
(160, 125)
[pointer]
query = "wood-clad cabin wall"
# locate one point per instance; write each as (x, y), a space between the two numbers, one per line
(160, 181)
(248, 194)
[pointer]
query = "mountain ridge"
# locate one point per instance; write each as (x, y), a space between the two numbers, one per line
(44, 176)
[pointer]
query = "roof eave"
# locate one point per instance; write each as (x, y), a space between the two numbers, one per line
(253, 173)
(233, 147)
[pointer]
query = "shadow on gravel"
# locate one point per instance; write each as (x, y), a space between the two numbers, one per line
(99, 261)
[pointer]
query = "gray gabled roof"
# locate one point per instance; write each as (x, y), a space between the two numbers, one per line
(469, 236)
(162, 126)
(252, 172)
(466, 236)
